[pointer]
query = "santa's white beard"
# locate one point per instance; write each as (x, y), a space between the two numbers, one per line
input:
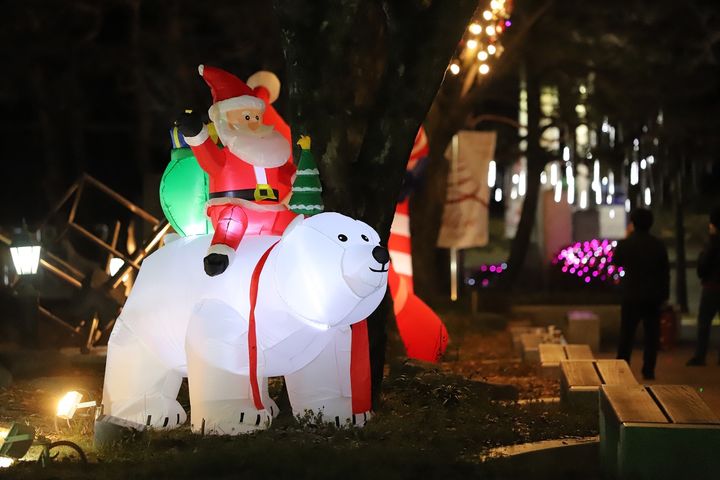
(264, 149)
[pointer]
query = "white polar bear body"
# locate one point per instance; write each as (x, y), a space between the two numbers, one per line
(319, 278)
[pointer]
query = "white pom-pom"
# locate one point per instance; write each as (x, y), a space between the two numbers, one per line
(266, 79)
(201, 69)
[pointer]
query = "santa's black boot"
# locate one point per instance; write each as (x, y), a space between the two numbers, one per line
(216, 263)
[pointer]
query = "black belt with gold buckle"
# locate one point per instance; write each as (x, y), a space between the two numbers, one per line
(247, 194)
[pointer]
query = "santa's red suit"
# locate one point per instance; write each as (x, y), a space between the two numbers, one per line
(247, 184)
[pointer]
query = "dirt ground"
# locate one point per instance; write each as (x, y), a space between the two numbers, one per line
(434, 421)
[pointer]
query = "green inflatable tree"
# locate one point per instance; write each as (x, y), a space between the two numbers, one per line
(306, 196)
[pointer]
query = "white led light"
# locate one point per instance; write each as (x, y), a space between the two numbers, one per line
(558, 192)
(583, 199)
(492, 173)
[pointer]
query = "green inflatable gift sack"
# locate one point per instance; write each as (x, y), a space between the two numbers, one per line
(183, 194)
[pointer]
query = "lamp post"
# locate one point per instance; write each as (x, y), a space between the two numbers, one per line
(25, 252)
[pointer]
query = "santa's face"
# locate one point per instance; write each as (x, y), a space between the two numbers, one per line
(248, 120)
(244, 134)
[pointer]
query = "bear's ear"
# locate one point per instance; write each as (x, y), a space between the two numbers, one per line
(296, 221)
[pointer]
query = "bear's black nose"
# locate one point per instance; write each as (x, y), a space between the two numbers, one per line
(381, 255)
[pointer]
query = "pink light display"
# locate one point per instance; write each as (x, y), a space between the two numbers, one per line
(590, 261)
(486, 274)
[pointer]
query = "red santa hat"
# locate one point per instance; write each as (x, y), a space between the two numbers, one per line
(230, 93)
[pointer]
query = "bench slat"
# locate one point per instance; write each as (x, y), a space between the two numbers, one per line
(530, 340)
(579, 352)
(616, 372)
(580, 372)
(683, 404)
(551, 353)
(633, 403)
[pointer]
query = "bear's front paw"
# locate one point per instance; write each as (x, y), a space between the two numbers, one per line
(232, 417)
(244, 422)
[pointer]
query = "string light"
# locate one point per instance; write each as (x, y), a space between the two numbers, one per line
(498, 194)
(634, 173)
(553, 174)
(570, 177)
(648, 197)
(583, 199)
(492, 173)
(558, 192)
(491, 21)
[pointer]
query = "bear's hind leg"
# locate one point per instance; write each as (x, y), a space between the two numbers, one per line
(221, 400)
(139, 387)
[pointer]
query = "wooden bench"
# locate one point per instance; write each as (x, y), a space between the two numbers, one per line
(530, 344)
(551, 354)
(657, 432)
(580, 380)
(583, 327)
(517, 331)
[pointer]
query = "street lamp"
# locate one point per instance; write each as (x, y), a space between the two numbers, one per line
(25, 253)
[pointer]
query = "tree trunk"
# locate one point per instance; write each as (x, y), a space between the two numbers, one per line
(535, 164)
(681, 296)
(358, 85)
(143, 123)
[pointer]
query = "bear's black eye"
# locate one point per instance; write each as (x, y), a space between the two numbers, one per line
(364, 237)
(257, 117)
(342, 238)
(247, 117)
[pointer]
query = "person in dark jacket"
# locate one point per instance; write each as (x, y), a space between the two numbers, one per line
(645, 287)
(708, 269)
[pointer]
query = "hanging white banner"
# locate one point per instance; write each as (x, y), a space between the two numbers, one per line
(465, 217)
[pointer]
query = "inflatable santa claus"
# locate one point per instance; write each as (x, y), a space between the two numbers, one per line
(250, 176)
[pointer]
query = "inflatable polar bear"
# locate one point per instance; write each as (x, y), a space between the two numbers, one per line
(326, 273)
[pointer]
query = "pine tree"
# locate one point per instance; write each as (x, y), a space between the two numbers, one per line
(306, 190)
